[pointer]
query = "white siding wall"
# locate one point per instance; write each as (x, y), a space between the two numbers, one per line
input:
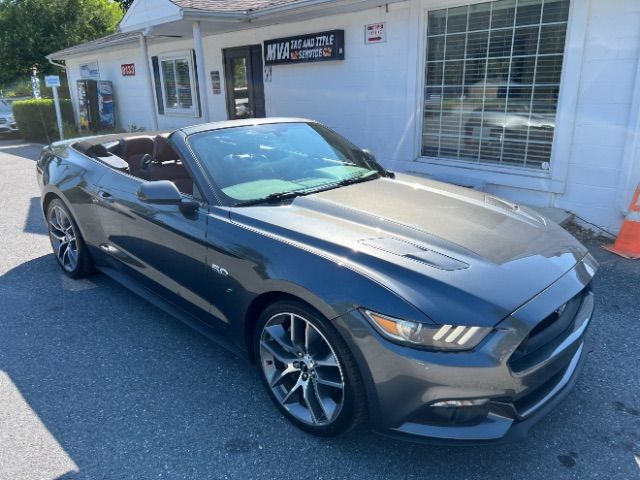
(173, 120)
(142, 14)
(362, 97)
(130, 93)
(596, 167)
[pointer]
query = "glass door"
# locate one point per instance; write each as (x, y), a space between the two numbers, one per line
(243, 82)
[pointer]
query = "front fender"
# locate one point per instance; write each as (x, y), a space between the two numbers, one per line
(261, 263)
(73, 178)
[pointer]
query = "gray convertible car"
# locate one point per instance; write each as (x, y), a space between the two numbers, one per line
(434, 311)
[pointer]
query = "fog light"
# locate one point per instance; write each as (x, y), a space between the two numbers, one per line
(453, 413)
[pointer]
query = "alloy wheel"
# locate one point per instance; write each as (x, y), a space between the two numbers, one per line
(302, 369)
(63, 238)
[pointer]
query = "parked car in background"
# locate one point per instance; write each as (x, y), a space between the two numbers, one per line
(437, 312)
(7, 122)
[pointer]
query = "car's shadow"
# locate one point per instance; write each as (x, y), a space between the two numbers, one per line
(34, 222)
(129, 392)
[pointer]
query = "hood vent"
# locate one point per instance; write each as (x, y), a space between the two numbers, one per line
(414, 252)
(513, 208)
(503, 204)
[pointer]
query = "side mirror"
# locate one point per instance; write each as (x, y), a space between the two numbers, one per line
(165, 192)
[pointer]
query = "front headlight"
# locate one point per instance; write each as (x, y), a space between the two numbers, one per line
(440, 337)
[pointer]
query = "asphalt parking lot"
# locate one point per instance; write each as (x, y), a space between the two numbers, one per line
(95, 383)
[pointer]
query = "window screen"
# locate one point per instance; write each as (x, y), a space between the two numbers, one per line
(176, 78)
(492, 79)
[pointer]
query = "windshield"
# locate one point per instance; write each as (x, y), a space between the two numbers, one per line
(257, 162)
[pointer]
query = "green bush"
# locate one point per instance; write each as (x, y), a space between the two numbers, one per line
(36, 118)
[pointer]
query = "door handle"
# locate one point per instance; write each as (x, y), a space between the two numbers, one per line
(106, 196)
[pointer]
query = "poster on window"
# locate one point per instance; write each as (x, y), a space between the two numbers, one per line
(215, 82)
(89, 71)
(312, 47)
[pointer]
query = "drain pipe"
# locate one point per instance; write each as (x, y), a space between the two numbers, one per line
(56, 64)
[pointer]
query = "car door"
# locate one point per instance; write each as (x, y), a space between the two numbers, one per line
(157, 245)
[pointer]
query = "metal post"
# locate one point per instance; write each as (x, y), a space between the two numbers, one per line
(202, 75)
(150, 87)
(56, 103)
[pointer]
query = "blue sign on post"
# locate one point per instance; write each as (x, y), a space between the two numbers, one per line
(52, 81)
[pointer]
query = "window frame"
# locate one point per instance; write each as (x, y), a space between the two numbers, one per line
(477, 174)
(167, 57)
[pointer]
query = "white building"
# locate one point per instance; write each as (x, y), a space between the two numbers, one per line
(534, 100)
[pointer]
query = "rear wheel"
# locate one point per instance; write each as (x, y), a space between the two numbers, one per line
(66, 241)
(308, 370)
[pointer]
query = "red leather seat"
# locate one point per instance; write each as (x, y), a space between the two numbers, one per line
(165, 165)
(162, 150)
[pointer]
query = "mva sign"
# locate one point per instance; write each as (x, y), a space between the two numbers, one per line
(313, 47)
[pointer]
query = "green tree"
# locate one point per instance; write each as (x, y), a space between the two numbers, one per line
(124, 4)
(31, 29)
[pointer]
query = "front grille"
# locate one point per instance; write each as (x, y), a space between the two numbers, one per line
(545, 336)
(536, 395)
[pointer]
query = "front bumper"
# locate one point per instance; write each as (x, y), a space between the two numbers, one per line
(8, 127)
(402, 383)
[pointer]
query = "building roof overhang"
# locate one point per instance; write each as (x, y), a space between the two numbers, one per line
(174, 19)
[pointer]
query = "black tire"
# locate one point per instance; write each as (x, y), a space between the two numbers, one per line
(83, 265)
(353, 409)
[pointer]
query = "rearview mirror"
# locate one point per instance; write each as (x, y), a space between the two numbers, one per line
(166, 193)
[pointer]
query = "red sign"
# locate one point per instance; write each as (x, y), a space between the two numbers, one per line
(128, 69)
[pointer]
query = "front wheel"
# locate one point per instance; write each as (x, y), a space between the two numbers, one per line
(308, 370)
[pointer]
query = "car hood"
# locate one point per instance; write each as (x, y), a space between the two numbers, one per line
(458, 255)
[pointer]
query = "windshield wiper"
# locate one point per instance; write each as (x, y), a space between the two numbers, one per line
(352, 180)
(272, 198)
(357, 179)
(279, 196)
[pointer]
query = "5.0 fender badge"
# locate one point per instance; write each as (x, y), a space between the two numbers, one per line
(219, 270)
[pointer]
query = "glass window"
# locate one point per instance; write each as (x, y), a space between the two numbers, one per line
(252, 162)
(492, 80)
(240, 87)
(176, 84)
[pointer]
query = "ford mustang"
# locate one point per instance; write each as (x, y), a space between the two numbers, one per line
(434, 311)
